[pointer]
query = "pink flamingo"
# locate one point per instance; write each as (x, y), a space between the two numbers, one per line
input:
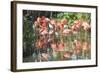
(66, 31)
(44, 57)
(53, 21)
(43, 31)
(67, 55)
(76, 25)
(77, 44)
(38, 19)
(85, 46)
(44, 21)
(86, 26)
(64, 21)
(54, 46)
(61, 46)
(51, 32)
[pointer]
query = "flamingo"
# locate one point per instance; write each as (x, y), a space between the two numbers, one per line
(64, 21)
(53, 21)
(60, 24)
(38, 19)
(39, 44)
(54, 46)
(61, 46)
(43, 31)
(43, 21)
(66, 31)
(67, 55)
(47, 19)
(86, 26)
(76, 25)
(51, 32)
(85, 46)
(77, 43)
(45, 56)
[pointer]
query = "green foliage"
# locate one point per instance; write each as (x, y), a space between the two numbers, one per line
(72, 16)
(28, 34)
